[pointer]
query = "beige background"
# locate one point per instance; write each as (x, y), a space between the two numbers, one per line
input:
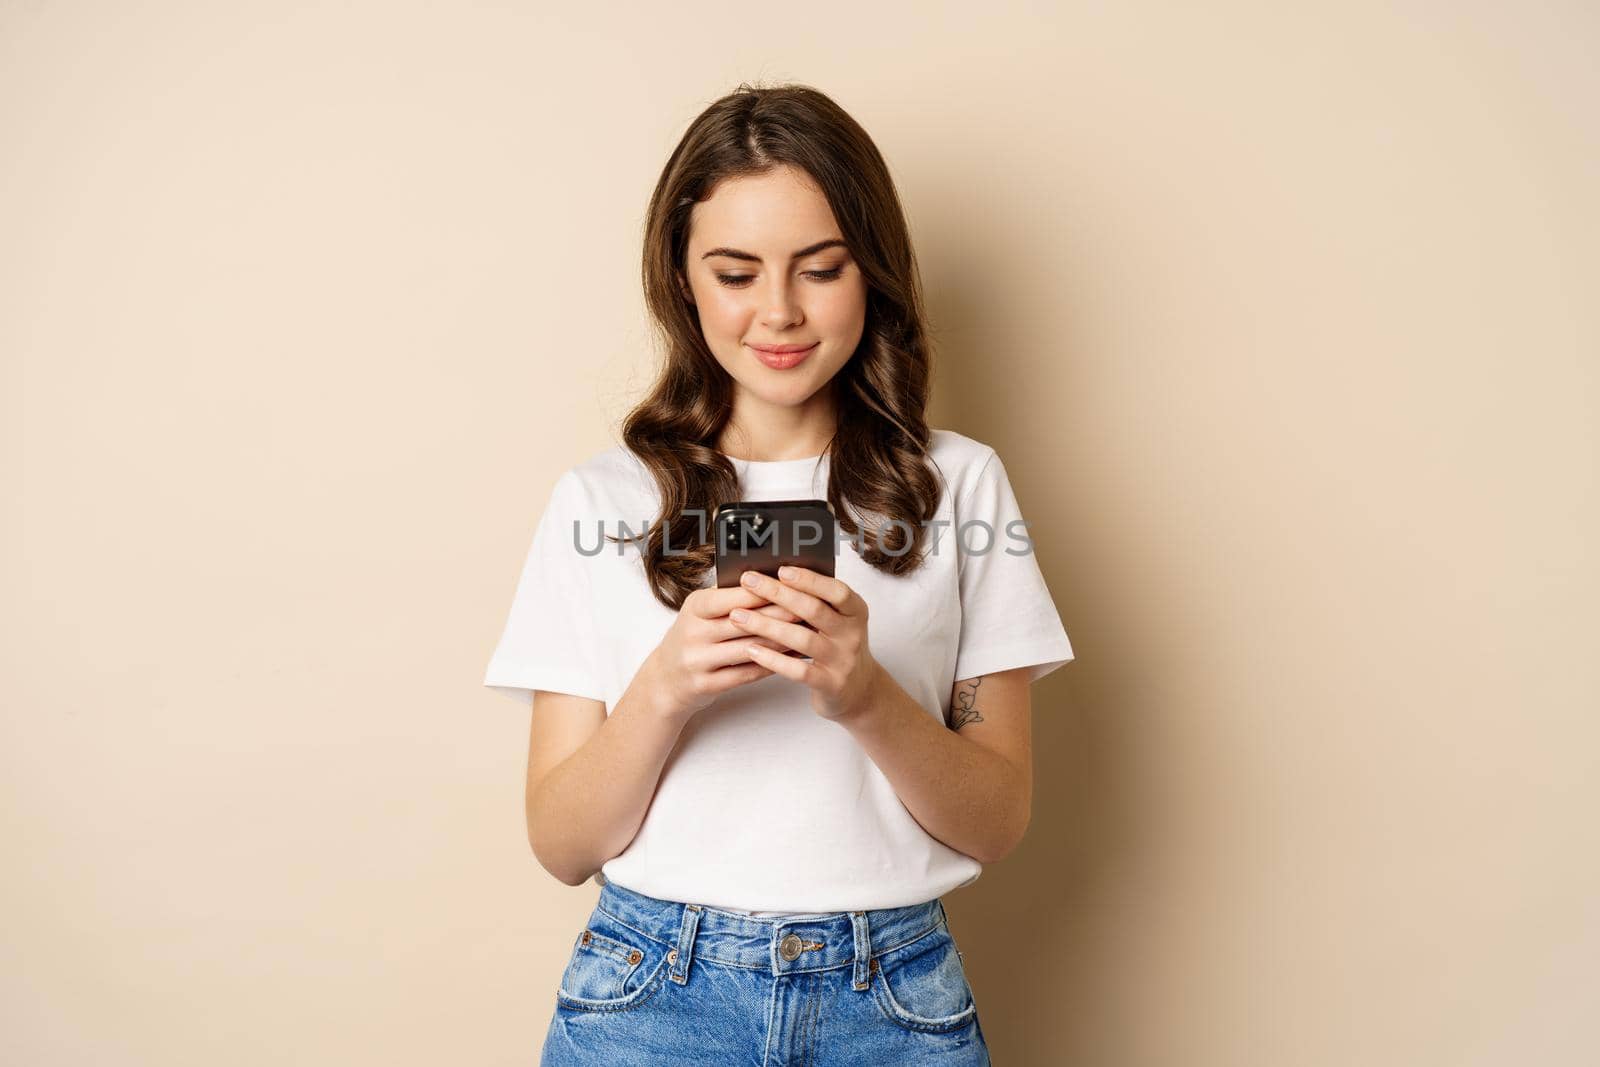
(1283, 320)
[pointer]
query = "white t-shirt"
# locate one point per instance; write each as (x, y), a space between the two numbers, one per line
(763, 805)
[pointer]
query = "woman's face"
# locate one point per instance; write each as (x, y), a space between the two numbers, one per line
(751, 289)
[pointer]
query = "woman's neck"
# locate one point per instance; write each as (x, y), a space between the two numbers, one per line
(780, 435)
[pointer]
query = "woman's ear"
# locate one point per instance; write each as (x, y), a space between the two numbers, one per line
(683, 287)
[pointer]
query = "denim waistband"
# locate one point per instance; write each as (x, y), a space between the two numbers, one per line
(778, 944)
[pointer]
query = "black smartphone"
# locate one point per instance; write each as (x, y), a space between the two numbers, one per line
(763, 535)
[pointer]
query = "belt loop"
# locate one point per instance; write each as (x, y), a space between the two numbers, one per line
(679, 956)
(863, 936)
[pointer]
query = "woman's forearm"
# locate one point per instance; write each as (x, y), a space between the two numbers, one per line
(963, 794)
(588, 807)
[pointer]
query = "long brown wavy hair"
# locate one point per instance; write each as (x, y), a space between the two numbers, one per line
(879, 452)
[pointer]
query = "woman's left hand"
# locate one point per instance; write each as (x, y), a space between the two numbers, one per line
(842, 672)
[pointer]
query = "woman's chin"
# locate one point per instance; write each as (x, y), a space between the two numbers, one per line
(789, 394)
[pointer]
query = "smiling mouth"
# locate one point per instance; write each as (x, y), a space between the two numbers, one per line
(783, 360)
(784, 350)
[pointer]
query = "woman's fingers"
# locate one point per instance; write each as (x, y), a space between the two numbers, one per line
(726, 678)
(725, 653)
(725, 629)
(713, 603)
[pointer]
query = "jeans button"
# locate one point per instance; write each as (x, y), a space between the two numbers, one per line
(789, 947)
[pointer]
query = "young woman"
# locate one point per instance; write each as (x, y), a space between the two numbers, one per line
(773, 811)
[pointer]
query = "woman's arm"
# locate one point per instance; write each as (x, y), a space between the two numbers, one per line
(591, 776)
(969, 784)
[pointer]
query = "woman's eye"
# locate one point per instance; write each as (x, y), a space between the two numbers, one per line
(739, 281)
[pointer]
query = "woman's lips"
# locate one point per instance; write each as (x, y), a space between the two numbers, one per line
(782, 357)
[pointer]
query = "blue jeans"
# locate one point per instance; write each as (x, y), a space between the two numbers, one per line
(655, 982)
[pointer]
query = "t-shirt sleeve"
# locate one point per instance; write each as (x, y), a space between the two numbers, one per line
(1008, 618)
(548, 639)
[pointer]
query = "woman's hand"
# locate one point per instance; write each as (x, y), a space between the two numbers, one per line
(703, 654)
(842, 672)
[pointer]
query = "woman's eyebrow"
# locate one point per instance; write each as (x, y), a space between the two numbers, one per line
(734, 253)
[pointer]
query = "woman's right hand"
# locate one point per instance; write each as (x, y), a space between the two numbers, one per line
(702, 655)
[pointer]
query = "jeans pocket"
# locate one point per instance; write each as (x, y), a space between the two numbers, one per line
(923, 986)
(612, 967)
